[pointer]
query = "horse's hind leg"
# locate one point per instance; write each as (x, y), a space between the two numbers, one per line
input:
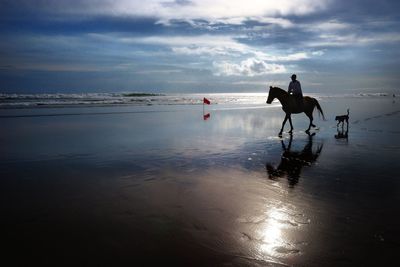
(311, 120)
(310, 116)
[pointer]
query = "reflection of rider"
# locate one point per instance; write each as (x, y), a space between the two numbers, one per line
(292, 162)
(294, 89)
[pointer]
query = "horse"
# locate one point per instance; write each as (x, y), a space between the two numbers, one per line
(292, 161)
(290, 106)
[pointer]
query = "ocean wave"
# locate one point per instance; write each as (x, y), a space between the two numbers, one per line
(140, 99)
(143, 99)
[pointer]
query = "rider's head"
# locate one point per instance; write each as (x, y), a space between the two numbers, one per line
(293, 77)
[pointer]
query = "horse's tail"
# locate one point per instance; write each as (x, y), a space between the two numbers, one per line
(319, 108)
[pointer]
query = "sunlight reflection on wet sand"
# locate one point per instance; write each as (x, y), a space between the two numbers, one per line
(272, 232)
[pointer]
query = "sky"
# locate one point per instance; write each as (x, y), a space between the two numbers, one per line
(198, 46)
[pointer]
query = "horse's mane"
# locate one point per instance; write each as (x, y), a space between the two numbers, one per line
(278, 89)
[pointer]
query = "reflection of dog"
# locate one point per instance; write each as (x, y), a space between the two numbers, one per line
(342, 118)
(343, 134)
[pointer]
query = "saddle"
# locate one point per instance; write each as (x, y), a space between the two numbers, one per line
(297, 104)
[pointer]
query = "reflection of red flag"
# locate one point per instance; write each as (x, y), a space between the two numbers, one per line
(206, 101)
(207, 116)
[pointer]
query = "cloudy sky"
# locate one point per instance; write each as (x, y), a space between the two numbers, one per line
(199, 45)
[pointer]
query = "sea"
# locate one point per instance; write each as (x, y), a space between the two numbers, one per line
(8, 100)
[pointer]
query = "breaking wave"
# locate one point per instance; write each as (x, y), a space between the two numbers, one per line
(140, 99)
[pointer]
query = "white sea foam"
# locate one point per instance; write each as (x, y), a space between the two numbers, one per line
(88, 99)
(106, 99)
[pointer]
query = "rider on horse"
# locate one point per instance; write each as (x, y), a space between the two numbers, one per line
(295, 91)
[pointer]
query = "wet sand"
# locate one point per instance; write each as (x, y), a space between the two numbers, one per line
(161, 185)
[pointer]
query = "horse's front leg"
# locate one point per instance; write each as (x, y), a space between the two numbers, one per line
(283, 124)
(291, 125)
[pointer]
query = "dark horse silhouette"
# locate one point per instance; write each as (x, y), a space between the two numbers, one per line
(290, 106)
(292, 162)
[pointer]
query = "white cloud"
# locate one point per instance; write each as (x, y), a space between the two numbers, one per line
(216, 45)
(230, 20)
(222, 46)
(210, 10)
(198, 41)
(290, 57)
(167, 71)
(203, 50)
(249, 82)
(298, 56)
(284, 23)
(249, 67)
(380, 38)
(328, 26)
(336, 40)
(335, 33)
(186, 45)
(318, 53)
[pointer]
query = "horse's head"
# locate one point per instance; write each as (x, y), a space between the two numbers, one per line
(271, 94)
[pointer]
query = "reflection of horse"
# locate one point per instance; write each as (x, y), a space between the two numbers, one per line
(342, 134)
(289, 106)
(293, 161)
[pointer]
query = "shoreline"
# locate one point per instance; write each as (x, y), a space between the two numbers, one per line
(22, 101)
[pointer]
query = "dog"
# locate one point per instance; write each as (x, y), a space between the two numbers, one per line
(343, 118)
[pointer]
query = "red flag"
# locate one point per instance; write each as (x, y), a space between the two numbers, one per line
(206, 101)
(206, 116)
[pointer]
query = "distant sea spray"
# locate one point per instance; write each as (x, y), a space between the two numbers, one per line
(138, 99)
(142, 99)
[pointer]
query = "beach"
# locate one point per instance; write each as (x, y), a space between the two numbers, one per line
(193, 185)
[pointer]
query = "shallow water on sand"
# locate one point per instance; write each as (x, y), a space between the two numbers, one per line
(129, 185)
